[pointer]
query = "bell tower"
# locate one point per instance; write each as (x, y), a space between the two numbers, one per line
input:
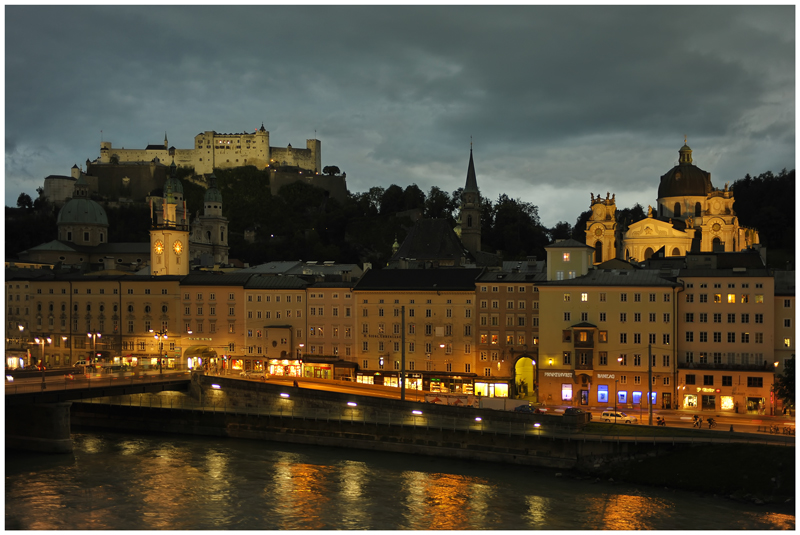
(470, 213)
(601, 229)
(169, 231)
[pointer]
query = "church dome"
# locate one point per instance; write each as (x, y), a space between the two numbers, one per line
(212, 193)
(685, 179)
(82, 211)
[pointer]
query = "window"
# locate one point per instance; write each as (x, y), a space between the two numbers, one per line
(566, 297)
(602, 316)
(759, 339)
(786, 322)
(584, 297)
(703, 336)
(665, 339)
(623, 297)
(690, 379)
(755, 382)
(651, 317)
(689, 317)
(637, 316)
(665, 361)
(690, 336)
(745, 318)
(704, 298)
(623, 338)
(602, 297)
(708, 380)
(567, 357)
(727, 380)
(637, 361)
(690, 298)
(566, 316)
(745, 338)
(623, 317)
(717, 337)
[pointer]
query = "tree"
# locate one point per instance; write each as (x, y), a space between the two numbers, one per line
(784, 384)
(562, 231)
(24, 201)
(330, 170)
(439, 205)
(413, 197)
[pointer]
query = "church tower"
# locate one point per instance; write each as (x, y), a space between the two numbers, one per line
(169, 231)
(210, 230)
(470, 213)
(601, 229)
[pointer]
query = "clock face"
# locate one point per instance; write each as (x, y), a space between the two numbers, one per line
(716, 227)
(159, 247)
(598, 231)
(178, 247)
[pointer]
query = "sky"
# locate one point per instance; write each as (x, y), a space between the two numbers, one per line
(556, 102)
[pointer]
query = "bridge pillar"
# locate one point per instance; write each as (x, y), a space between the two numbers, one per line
(41, 427)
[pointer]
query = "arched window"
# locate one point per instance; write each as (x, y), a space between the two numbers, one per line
(698, 210)
(677, 211)
(648, 253)
(598, 252)
(469, 220)
(716, 245)
(676, 252)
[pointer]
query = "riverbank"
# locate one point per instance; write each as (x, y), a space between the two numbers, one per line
(743, 472)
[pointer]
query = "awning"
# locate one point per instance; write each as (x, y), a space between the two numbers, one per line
(200, 351)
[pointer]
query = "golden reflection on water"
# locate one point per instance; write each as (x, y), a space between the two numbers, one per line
(302, 490)
(536, 513)
(776, 520)
(625, 512)
(442, 501)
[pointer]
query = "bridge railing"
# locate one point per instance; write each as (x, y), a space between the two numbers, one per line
(89, 381)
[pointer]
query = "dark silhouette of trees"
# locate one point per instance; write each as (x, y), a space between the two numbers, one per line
(24, 201)
(330, 170)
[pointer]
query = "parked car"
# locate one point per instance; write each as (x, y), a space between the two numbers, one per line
(262, 375)
(84, 364)
(614, 417)
(524, 408)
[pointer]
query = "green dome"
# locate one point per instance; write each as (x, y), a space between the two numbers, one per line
(212, 193)
(82, 211)
(172, 187)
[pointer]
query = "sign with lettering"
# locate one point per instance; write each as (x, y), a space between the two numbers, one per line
(558, 374)
(605, 376)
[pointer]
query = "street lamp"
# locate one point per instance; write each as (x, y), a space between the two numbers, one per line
(94, 337)
(42, 341)
(160, 336)
(616, 380)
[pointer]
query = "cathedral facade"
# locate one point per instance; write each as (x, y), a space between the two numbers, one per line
(690, 216)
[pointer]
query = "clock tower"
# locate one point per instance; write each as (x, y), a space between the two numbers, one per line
(470, 212)
(601, 229)
(169, 231)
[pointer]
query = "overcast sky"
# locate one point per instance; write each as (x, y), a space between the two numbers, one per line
(558, 101)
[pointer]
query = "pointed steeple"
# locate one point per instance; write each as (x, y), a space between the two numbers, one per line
(166, 143)
(472, 182)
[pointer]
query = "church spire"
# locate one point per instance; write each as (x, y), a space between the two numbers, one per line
(472, 182)
(166, 143)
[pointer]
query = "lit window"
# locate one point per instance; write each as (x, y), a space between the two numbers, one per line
(584, 297)
(566, 257)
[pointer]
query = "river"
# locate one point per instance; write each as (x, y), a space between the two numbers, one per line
(156, 482)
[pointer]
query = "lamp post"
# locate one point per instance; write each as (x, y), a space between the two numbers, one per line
(160, 336)
(616, 380)
(42, 342)
(21, 329)
(94, 337)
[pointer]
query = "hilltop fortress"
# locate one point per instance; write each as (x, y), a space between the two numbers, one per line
(212, 150)
(125, 175)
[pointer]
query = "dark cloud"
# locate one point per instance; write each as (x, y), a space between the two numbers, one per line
(559, 100)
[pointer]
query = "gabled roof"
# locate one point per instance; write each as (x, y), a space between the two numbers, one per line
(432, 239)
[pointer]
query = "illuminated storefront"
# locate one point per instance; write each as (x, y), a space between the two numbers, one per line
(727, 390)
(285, 367)
(491, 390)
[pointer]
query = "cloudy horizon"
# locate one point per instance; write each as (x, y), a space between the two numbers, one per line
(557, 101)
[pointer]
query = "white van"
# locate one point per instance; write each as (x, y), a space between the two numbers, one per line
(614, 417)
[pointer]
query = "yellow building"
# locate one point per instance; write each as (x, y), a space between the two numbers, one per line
(329, 351)
(275, 323)
(439, 328)
(507, 304)
(605, 335)
(726, 334)
(213, 321)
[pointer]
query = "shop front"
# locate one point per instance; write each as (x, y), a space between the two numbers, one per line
(460, 384)
(285, 368)
(199, 357)
(16, 359)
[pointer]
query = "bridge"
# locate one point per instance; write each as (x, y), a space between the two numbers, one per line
(38, 411)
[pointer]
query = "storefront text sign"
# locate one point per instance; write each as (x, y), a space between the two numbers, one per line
(605, 376)
(557, 374)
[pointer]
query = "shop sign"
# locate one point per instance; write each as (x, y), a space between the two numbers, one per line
(605, 376)
(708, 390)
(557, 374)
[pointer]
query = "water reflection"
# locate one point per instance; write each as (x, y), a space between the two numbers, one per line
(116, 482)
